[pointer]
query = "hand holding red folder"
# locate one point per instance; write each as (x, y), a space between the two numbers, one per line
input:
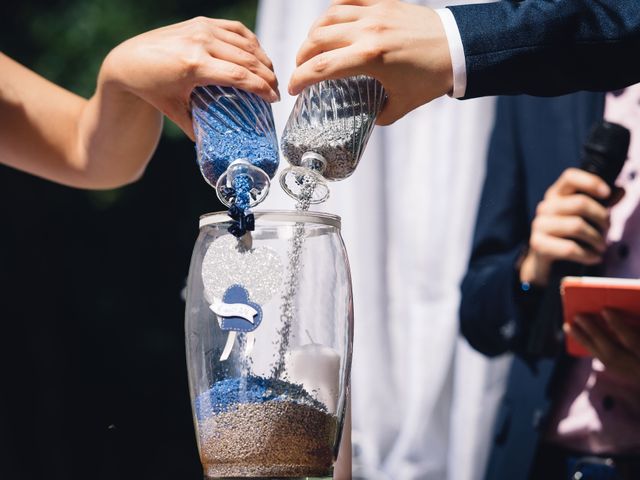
(602, 319)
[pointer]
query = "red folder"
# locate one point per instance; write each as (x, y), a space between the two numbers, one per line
(592, 295)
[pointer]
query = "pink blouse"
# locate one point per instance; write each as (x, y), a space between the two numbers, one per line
(596, 412)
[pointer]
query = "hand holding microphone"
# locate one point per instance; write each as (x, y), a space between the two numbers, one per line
(571, 224)
(568, 233)
(572, 221)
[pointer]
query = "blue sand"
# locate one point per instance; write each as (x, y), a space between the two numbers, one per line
(242, 185)
(227, 394)
(227, 129)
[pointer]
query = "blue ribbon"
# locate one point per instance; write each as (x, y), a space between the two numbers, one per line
(243, 222)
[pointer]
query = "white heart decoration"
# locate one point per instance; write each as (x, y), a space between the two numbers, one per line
(259, 270)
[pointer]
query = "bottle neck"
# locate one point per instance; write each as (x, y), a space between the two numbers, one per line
(313, 161)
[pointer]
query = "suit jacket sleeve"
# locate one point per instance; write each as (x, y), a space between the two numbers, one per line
(549, 47)
(491, 316)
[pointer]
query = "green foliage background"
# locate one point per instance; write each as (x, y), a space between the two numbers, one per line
(65, 41)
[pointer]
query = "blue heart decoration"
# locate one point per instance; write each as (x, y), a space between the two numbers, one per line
(237, 313)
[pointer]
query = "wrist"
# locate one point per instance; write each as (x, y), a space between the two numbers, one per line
(527, 294)
(114, 86)
(108, 75)
(534, 269)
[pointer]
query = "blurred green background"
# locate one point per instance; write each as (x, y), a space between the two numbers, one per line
(92, 348)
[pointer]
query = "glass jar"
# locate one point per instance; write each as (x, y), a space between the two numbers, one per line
(327, 132)
(268, 326)
(236, 143)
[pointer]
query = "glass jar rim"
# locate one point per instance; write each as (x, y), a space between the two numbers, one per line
(293, 216)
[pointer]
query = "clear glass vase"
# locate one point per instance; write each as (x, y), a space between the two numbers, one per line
(268, 327)
(327, 132)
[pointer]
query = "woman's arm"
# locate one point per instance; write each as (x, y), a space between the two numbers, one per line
(106, 141)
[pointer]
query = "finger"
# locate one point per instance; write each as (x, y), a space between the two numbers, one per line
(224, 73)
(562, 249)
(580, 336)
(576, 205)
(603, 344)
(324, 39)
(574, 180)
(236, 27)
(570, 228)
(251, 46)
(339, 63)
(218, 31)
(233, 54)
(337, 14)
(626, 333)
(361, 3)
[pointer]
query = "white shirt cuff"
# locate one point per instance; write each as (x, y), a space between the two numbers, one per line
(456, 50)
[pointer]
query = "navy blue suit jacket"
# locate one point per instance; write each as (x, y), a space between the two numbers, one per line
(533, 142)
(549, 47)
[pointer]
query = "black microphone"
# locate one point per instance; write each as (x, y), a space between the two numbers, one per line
(605, 151)
(604, 154)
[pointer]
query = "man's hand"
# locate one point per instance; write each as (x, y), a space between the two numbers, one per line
(404, 46)
(163, 66)
(569, 225)
(617, 347)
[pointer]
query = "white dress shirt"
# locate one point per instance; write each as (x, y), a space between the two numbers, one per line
(456, 49)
